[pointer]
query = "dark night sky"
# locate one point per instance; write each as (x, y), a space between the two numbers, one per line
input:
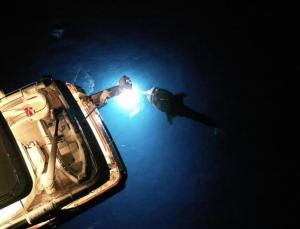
(232, 62)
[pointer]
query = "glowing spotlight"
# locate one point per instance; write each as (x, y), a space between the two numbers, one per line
(130, 100)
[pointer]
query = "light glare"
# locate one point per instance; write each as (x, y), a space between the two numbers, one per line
(129, 100)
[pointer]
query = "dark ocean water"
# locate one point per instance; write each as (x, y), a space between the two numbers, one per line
(184, 175)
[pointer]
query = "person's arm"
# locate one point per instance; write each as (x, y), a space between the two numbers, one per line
(100, 98)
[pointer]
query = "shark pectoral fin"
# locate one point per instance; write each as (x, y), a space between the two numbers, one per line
(170, 118)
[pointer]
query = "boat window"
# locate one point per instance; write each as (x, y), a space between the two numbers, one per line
(15, 180)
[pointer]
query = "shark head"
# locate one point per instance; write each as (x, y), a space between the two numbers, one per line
(149, 94)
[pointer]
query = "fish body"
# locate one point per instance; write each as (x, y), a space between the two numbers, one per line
(166, 101)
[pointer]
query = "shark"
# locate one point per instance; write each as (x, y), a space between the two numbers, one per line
(173, 105)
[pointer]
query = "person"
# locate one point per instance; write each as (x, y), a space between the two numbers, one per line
(100, 99)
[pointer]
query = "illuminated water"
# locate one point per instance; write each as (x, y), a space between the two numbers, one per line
(180, 175)
(168, 171)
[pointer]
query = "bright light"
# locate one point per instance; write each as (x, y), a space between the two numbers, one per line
(7, 212)
(130, 100)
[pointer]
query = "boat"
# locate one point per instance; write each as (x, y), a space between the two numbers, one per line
(56, 155)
